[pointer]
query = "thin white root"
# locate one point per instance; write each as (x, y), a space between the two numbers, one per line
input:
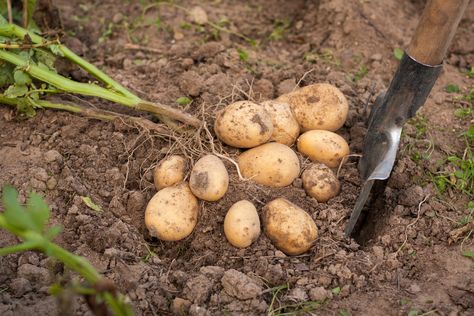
(412, 223)
(343, 161)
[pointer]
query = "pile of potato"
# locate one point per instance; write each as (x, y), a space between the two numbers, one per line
(267, 131)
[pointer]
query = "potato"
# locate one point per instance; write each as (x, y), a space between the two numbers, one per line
(323, 146)
(172, 213)
(285, 126)
(289, 227)
(209, 179)
(271, 164)
(242, 224)
(320, 182)
(243, 124)
(169, 171)
(318, 106)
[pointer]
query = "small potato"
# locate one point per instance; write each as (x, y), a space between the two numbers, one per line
(289, 227)
(169, 171)
(243, 124)
(271, 164)
(320, 182)
(209, 179)
(323, 146)
(318, 106)
(285, 126)
(241, 224)
(172, 213)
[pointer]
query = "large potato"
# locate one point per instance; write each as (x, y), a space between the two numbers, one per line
(285, 127)
(243, 124)
(289, 227)
(318, 106)
(172, 213)
(242, 224)
(320, 182)
(323, 146)
(271, 164)
(209, 179)
(169, 171)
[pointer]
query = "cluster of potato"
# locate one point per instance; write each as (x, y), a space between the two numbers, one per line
(267, 131)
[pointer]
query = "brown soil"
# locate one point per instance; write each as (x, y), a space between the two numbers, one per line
(406, 266)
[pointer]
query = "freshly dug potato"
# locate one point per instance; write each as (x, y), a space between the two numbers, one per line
(172, 213)
(289, 227)
(285, 127)
(242, 224)
(271, 164)
(323, 146)
(320, 182)
(243, 124)
(318, 106)
(169, 171)
(209, 179)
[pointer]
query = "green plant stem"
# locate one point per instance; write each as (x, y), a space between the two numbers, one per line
(19, 32)
(98, 114)
(113, 91)
(18, 248)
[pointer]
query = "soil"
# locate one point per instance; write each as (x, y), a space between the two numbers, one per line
(405, 265)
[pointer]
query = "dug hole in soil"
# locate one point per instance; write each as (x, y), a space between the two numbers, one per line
(408, 266)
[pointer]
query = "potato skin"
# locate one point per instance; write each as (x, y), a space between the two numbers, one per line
(285, 127)
(172, 213)
(320, 182)
(289, 227)
(318, 106)
(242, 224)
(169, 171)
(271, 164)
(323, 146)
(243, 124)
(209, 178)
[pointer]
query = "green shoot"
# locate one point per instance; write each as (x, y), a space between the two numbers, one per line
(88, 201)
(398, 53)
(452, 88)
(29, 224)
(183, 100)
(278, 32)
(243, 55)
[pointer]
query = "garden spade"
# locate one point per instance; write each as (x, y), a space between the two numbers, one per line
(418, 70)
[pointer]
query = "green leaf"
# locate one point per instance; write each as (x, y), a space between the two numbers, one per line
(25, 107)
(452, 88)
(38, 211)
(21, 78)
(243, 55)
(15, 91)
(469, 133)
(56, 50)
(88, 201)
(344, 312)
(398, 53)
(45, 57)
(14, 214)
(53, 232)
(413, 312)
(336, 290)
(183, 100)
(6, 73)
(470, 73)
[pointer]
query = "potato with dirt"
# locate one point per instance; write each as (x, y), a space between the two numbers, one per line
(272, 164)
(318, 106)
(209, 178)
(242, 224)
(169, 171)
(243, 124)
(289, 227)
(320, 182)
(285, 127)
(172, 213)
(323, 146)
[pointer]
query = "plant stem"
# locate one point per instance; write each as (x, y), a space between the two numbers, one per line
(25, 246)
(114, 91)
(98, 114)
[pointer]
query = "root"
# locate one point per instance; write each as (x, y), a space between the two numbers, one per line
(458, 233)
(343, 161)
(412, 223)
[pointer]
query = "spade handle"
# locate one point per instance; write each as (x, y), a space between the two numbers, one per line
(435, 30)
